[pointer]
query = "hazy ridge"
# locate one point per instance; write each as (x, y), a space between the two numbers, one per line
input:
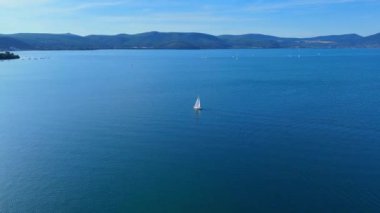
(160, 40)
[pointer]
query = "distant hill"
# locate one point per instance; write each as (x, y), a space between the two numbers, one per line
(372, 41)
(44, 41)
(251, 41)
(159, 40)
(9, 43)
(331, 41)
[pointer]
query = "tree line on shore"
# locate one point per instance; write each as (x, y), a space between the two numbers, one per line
(8, 55)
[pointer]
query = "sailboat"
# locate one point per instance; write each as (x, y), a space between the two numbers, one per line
(197, 105)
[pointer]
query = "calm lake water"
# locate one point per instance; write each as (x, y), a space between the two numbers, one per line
(114, 131)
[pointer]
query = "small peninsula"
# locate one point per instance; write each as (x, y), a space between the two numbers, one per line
(8, 56)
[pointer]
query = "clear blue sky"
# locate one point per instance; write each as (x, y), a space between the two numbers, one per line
(298, 18)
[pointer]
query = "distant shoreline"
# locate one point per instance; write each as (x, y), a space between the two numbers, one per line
(179, 41)
(356, 48)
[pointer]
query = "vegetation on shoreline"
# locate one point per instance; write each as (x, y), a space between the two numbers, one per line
(8, 56)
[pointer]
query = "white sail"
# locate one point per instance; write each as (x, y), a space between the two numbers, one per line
(197, 105)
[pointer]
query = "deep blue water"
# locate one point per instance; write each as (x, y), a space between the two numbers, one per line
(114, 131)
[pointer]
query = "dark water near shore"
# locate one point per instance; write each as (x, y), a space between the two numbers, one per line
(114, 131)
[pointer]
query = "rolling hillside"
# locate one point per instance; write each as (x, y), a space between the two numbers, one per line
(159, 40)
